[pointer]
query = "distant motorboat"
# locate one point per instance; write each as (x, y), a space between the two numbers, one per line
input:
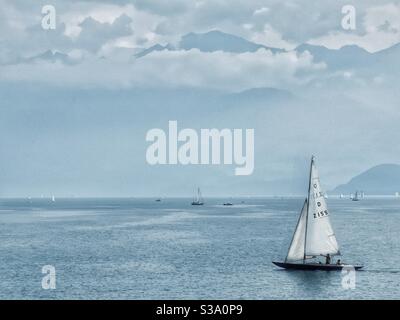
(314, 235)
(158, 200)
(198, 199)
(228, 204)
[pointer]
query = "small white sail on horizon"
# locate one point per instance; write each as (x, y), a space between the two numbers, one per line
(198, 198)
(314, 234)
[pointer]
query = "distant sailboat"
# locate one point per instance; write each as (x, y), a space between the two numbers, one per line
(314, 236)
(53, 199)
(356, 196)
(198, 199)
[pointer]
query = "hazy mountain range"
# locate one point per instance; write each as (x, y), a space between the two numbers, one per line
(383, 179)
(350, 56)
(347, 57)
(210, 42)
(63, 140)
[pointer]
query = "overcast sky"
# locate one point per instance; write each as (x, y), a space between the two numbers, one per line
(89, 30)
(53, 139)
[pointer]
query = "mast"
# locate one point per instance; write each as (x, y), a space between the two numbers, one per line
(308, 208)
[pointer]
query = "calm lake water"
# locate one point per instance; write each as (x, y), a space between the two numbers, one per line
(142, 249)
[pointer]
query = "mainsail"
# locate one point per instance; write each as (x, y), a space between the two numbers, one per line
(198, 197)
(314, 235)
(320, 238)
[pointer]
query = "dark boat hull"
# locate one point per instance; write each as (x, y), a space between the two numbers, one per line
(314, 266)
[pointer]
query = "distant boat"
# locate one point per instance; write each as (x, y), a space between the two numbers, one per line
(314, 236)
(228, 204)
(53, 199)
(198, 199)
(356, 197)
(158, 200)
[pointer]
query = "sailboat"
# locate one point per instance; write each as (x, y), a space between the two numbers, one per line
(198, 199)
(356, 197)
(314, 236)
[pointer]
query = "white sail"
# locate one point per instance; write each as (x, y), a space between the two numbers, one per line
(199, 197)
(320, 238)
(296, 249)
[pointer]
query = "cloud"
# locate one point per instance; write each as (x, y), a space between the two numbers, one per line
(165, 8)
(95, 34)
(89, 30)
(286, 25)
(381, 25)
(261, 11)
(272, 38)
(217, 70)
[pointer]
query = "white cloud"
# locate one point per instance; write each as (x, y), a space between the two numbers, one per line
(261, 11)
(382, 30)
(192, 68)
(297, 21)
(95, 34)
(271, 38)
(143, 23)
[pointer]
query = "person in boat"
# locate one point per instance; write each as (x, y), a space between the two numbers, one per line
(339, 262)
(328, 259)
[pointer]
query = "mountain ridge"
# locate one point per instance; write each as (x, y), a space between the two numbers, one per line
(383, 179)
(210, 41)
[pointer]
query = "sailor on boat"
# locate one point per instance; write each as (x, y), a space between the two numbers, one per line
(314, 236)
(328, 259)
